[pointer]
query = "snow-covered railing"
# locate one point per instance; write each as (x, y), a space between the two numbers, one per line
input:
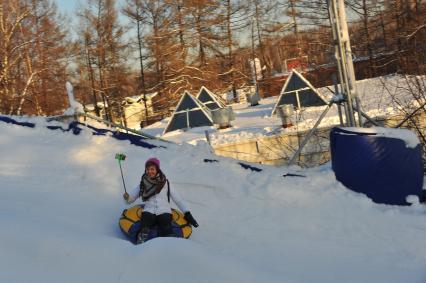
(109, 123)
(76, 110)
(140, 133)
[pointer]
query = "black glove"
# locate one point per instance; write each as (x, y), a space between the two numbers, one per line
(188, 217)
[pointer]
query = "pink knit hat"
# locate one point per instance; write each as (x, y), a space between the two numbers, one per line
(153, 161)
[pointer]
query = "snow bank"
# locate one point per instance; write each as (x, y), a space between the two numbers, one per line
(60, 201)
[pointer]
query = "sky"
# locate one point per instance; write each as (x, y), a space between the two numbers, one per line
(67, 6)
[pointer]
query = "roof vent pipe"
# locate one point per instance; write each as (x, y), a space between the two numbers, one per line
(223, 117)
(253, 98)
(286, 112)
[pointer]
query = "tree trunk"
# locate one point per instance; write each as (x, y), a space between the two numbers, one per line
(367, 37)
(138, 22)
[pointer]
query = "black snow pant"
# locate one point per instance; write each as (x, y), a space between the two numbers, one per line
(163, 222)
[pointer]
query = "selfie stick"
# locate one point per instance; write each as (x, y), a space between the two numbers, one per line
(121, 157)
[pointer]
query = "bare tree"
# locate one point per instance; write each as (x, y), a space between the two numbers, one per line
(234, 20)
(106, 52)
(33, 58)
(133, 10)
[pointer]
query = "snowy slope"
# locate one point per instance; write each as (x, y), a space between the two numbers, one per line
(381, 97)
(60, 201)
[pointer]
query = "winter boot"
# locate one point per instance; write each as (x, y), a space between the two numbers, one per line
(142, 236)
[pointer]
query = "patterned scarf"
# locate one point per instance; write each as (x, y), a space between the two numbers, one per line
(151, 186)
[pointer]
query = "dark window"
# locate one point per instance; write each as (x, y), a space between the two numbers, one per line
(205, 96)
(178, 122)
(309, 97)
(198, 119)
(295, 83)
(208, 100)
(212, 105)
(186, 103)
(288, 98)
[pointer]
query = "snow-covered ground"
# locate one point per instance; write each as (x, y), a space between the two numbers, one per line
(60, 201)
(381, 97)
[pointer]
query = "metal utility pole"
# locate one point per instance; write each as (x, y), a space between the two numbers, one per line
(343, 55)
(345, 71)
(253, 55)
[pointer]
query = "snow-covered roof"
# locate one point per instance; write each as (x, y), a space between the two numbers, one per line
(139, 98)
(91, 107)
(255, 122)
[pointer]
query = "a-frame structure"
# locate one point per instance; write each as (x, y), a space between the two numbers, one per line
(209, 99)
(298, 91)
(189, 113)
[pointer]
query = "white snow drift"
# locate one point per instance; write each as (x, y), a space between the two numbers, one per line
(60, 201)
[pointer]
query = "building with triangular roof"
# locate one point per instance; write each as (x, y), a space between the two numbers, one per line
(209, 99)
(298, 91)
(189, 113)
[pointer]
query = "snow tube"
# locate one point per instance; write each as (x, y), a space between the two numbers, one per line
(130, 224)
(385, 164)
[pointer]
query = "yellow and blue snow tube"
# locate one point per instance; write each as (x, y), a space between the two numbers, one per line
(130, 224)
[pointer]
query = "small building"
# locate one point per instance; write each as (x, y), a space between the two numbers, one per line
(134, 109)
(130, 113)
(90, 109)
